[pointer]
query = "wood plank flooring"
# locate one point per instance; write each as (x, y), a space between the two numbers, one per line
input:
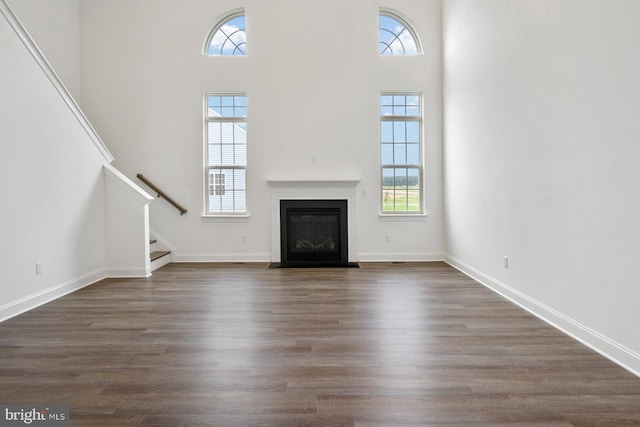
(244, 345)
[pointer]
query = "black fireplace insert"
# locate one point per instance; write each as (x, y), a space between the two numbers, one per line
(313, 233)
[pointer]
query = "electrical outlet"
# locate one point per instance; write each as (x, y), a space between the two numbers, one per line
(387, 238)
(39, 267)
(505, 262)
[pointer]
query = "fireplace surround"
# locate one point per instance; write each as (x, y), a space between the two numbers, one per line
(344, 190)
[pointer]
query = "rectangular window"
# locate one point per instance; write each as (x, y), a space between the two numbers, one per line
(226, 154)
(400, 153)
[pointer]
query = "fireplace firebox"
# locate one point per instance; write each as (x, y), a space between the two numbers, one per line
(313, 233)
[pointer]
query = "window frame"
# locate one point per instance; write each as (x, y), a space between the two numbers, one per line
(419, 119)
(220, 188)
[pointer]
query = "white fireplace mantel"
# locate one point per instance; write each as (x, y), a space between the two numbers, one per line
(312, 190)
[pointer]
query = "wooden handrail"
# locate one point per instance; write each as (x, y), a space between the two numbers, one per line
(162, 194)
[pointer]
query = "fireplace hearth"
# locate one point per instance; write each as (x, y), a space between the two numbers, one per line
(313, 233)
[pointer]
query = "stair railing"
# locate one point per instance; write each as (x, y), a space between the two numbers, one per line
(162, 194)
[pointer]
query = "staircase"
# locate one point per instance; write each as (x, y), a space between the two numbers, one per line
(159, 254)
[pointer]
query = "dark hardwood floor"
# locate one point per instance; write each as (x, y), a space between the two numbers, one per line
(244, 345)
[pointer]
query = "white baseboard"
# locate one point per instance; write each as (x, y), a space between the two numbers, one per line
(32, 301)
(400, 257)
(266, 257)
(617, 353)
(204, 257)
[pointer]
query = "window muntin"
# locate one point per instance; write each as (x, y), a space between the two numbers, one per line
(400, 153)
(396, 36)
(226, 154)
(229, 37)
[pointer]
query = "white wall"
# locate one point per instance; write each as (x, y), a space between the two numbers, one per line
(51, 184)
(312, 76)
(542, 146)
(55, 27)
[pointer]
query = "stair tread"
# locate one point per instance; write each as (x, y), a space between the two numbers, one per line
(158, 254)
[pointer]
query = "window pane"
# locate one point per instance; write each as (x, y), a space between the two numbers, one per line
(240, 155)
(228, 180)
(413, 189)
(239, 179)
(215, 155)
(413, 105)
(399, 154)
(413, 200)
(240, 133)
(401, 189)
(240, 201)
(413, 177)
(226, 133)
(386, 132)
(400, 175)
(413, 154)
(227, 202)
(412, 100)
(213, 133)
(387, 154)
(388, 194)
(413, 132)
(387, 177)
(227, 155)
(399, 133)
(213, 102)
(214, 204)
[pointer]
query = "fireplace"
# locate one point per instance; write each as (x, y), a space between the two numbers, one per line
(313, 233)
(298, 190)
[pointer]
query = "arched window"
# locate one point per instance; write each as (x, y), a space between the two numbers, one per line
(396, 35)
(228, 37)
